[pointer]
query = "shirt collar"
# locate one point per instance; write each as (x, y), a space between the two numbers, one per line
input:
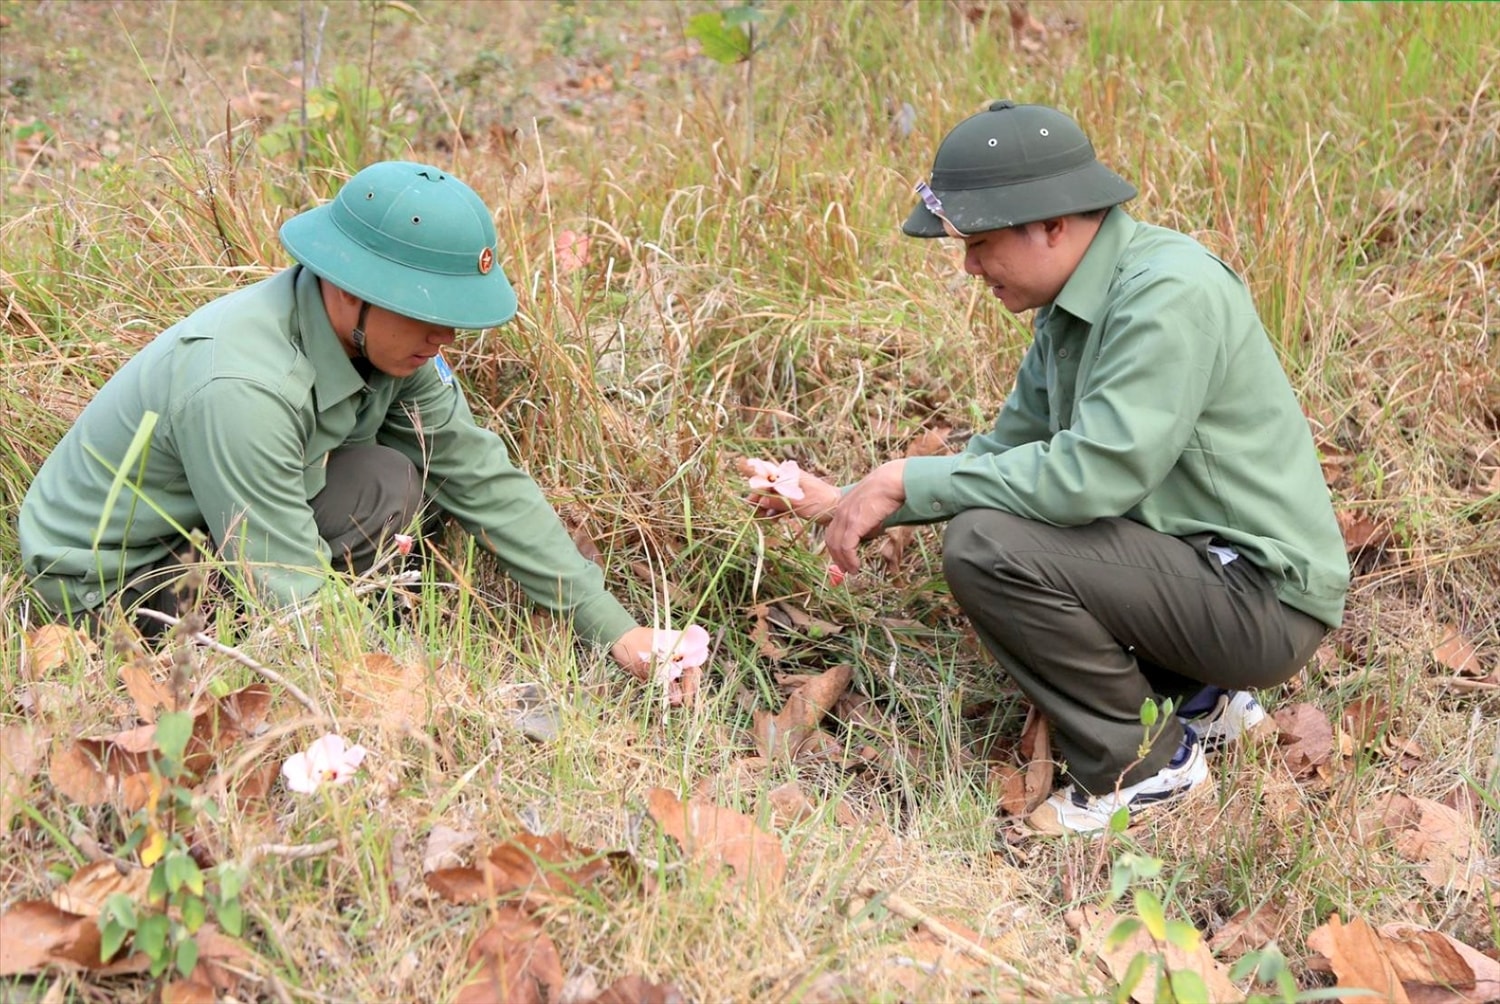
(334, 375)
(1087, 289)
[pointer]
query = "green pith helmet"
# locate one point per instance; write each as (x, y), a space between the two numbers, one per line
(409, 238)
(1012, 164)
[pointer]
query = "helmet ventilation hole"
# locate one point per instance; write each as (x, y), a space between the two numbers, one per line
(1043, 132)
(994, 141)
(369, 196)
(416, 219)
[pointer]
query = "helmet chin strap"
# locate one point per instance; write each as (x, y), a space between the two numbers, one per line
(358, 334)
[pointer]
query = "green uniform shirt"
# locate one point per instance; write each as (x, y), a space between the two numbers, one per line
(1151, 391)
(251, 392)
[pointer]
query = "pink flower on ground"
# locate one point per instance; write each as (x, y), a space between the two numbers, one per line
(404, 541)
(784, 479)
(836, 575)
(675, 652)
(329, 760)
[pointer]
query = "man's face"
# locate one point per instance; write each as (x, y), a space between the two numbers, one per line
(399, 346)
(1020, 265)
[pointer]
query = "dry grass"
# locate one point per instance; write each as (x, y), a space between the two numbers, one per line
(1345, 158)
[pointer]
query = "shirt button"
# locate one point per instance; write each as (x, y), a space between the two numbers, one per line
(1062, 353)
(92, 596)
(937, 506)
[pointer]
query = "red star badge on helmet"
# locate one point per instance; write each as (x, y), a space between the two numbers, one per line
(486, 261)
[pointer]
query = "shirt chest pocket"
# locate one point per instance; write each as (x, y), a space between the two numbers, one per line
(315, 476)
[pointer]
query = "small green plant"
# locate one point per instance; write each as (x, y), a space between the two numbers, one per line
(728, 37)
(180, 896)
(349, 120)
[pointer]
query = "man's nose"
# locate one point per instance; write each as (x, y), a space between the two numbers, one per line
(971, 263)
(442, 336)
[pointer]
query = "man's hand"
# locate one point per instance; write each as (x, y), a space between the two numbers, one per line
(818, 502)
(862, 512)
(634, 653)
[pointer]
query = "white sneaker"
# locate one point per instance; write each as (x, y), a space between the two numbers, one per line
(1073, 811)
(1235, 714)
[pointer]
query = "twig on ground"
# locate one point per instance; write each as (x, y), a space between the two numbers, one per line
(205, 641)
(295, 851)
(953, 939)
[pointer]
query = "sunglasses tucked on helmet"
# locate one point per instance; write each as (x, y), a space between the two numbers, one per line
(1012, 164)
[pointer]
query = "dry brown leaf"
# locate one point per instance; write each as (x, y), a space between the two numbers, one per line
(931, 443)
(1458, 653)
(639, 990)
(91, 771)
(193, 991)
(51, 647)
(587, 547)
(1362, 532)
(789, 805)
(1022, 790)
(760, 632)
(394, 694)
(1093, 926)
(790, 617)
(1437, 969)
(1306, 738)
(789, 731)
(84, 894)
(716, 837)
(149, 694)
(443, 845)
(1358, 959)
(515, 961)
(542, 869)
(35, 935)
(1249, 930)
(21, 748)
(1446, 845)
(892, 548)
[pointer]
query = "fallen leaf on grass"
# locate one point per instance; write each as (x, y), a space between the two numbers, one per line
(542, 869)
(35, 935)
(1249, 931)
(443, 845)
(515, 962)
(1458, 653)
(784, 734)
(1439, 838)
(91, 771)
(1306, 739)
(1093, 926)
(399, 696)
(1023, 789)
(1361, 532)
(789, 805)
(1358, 960)
(149, 694)
(1404, 962)
(21, 748)
(639, 990)
(84, 894)
(52, 646)
(715, 838)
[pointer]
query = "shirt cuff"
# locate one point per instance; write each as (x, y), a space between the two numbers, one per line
(928, 482)
(602, 620)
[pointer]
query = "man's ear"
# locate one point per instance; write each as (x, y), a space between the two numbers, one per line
(1055, 229)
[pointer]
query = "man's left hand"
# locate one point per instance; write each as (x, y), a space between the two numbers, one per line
(862, 513)
(634, 653)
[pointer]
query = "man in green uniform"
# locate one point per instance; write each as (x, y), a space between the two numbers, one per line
(304, 420)
(1147, 518)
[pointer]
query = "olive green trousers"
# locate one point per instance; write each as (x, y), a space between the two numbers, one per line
(371, 492)
(1090, 621)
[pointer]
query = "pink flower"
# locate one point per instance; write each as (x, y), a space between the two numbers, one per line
(328, 760)
(677, 651)
(835, 575)
(403, 541)
(783, 479)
